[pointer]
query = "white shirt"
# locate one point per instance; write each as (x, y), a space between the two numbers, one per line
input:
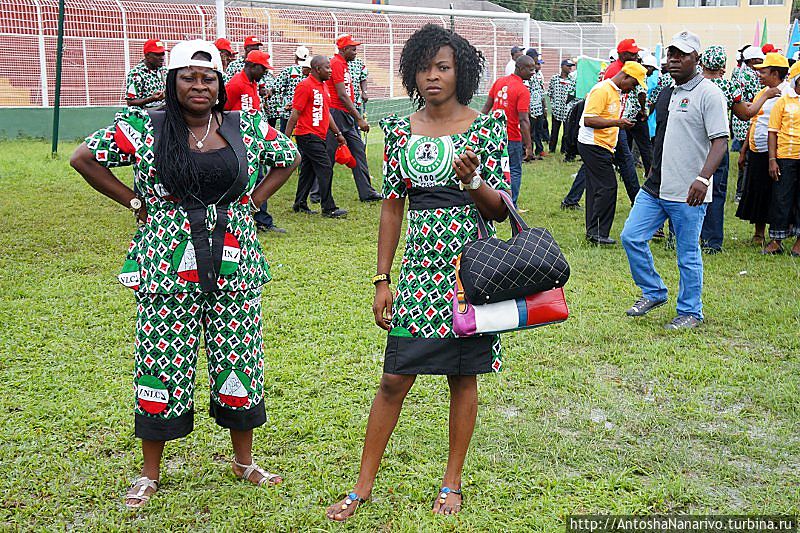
(510, 67)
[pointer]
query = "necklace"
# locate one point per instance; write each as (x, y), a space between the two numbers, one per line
(199, 142)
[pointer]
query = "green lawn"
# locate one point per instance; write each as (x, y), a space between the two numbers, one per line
(599, 414)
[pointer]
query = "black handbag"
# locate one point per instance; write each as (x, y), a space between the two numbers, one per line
(493, 270)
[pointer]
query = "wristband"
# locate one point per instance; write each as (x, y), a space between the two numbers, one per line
(704, 181)
(377, 278)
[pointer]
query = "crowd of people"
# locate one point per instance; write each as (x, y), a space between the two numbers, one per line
(210, 139)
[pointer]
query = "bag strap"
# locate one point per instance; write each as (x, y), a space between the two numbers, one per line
(514, 218)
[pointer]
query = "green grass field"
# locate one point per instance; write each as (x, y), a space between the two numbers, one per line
(600, 414)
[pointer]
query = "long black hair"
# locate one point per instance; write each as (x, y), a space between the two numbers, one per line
(177, 170)
(419, 51)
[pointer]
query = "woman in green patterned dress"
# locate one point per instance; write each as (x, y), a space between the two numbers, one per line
(450, 162)
(194, 263)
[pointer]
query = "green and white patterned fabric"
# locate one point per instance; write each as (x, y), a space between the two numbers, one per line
(561, 91)
(435, 237)
(160, 256)
(285, 85)
(713, 57)
(142, 82)
(358, 73)
(747, 78)
(536, 87)
(664, 80)
(631, 105)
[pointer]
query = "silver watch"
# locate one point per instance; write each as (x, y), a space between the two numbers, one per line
(475, 183)
(135, 204)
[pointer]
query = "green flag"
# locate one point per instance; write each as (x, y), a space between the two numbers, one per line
(764, 34)
(588, 72)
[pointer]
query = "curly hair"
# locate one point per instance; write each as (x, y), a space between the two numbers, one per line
(419, 51)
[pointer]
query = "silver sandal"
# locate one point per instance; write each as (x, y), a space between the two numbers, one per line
(266, 477)
(143, 483)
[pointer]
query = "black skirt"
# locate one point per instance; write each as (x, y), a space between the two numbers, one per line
(754, 205)
(466, 356)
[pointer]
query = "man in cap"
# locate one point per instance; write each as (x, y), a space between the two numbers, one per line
(234, 67)
(289, 78)
(312, 124)
(243, 94)
(145, 82)
(242, 89)
(597, 141)
(510, 94)
(561, 91)
(226, 52)
(627, 50)
(348, 119)
(511, 66)
(691, 140)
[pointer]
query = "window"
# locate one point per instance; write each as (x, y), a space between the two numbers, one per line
(766, 2)
(714, 3)
(642, 4)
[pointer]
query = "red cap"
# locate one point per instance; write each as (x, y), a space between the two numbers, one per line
(769, 47)
(252, 40)
(343, 156)
(223, 44)
(155, 46)
(628, 45)
(259, 58)
(345, 40)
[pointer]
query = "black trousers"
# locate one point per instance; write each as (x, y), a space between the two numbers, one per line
(347, 125)
(601, 189)
(555, 127)
(640, 132)
(784, 206)
(536, 134)
(314, 164)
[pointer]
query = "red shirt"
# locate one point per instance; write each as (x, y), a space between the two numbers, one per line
(512, 96)
(612, 69)
(242, 93)
(339, 74)
(313, 105)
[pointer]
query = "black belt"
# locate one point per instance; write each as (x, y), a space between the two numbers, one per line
(440, 196)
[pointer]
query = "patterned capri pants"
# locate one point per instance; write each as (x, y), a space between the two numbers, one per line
(168, 332)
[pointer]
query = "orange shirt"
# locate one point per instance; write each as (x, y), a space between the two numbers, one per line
(602, 101)
(785, 120)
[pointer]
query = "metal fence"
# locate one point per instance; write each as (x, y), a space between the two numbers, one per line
(104, 38)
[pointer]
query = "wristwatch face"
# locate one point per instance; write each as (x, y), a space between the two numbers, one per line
(136, 203)
(476, 182)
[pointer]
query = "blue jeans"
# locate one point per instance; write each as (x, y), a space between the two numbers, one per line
(515, 153)
(712, 233)
(647, 215)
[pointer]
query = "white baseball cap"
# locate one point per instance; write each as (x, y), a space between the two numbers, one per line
(301, 52)
(650, 61)
(181, 55)
(305, 62)
(752, 52)
(686, 42)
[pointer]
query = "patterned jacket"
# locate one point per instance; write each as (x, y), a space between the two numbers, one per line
(142, 82)
(536, 87)
(561, 92)
(747, 79)
(161, 256)
(358, 73)
(285, 85)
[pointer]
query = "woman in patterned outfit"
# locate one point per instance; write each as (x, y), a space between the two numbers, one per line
(194, 262)
(429, 157)
(713, 63)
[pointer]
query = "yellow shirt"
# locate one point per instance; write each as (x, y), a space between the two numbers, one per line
(603, 101)
(785, 120)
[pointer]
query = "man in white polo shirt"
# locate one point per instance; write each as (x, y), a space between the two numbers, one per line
(691, 140)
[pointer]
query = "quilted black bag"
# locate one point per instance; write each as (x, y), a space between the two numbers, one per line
(493, 270)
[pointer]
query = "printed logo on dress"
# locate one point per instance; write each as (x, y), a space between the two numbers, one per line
(427, 159)
(151, 394)
(233, 387)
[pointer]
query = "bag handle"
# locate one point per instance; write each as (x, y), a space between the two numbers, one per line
(514, 218)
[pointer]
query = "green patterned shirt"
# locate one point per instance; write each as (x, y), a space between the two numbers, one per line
(285, 85)
(358, 73)
(747, 79)
(158, 260)
(536, 87)
(561, 91)
(142, 82)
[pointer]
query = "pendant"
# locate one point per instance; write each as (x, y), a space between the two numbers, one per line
(199, 145)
